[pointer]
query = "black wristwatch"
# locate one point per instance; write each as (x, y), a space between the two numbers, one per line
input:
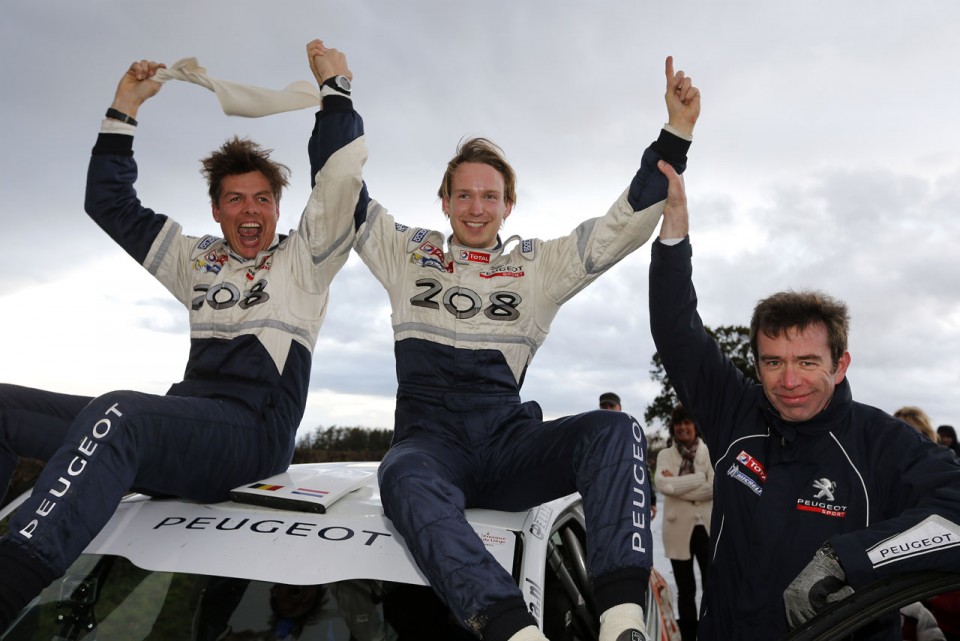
(338, 83)
(115, 114)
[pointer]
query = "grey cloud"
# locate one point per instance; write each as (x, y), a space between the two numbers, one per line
(823, 158)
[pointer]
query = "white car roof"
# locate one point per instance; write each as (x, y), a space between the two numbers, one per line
(352, 539)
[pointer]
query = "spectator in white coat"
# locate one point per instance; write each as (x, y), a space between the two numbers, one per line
(685, 477)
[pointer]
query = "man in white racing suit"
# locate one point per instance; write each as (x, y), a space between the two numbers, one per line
(469, 312)
(256, 300)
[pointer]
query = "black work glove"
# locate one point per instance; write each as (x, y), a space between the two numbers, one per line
(818, 585)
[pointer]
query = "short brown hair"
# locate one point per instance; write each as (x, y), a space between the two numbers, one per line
(783, 311)
(482, 151)
(242, 156)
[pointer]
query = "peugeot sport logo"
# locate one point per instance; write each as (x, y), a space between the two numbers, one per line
(826, 487)
(824, 502)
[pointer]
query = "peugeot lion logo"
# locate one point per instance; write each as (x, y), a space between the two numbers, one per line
(826, 487)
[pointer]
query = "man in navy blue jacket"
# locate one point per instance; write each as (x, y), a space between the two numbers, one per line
(815, 495)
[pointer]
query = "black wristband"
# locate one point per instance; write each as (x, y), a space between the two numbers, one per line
(122, 117)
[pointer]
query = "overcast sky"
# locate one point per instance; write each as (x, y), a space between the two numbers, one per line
(826, 156)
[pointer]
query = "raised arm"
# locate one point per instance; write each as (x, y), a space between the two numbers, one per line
(683, 110)
(136, 87)
(683, 100)
(337, 123)
(325, 63)
(111, 200)
(706, 382)
(338, 152)
(599, 243)
(676, 219)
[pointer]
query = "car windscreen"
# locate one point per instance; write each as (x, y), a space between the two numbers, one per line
(107, 597)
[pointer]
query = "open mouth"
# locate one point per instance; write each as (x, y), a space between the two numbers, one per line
(249, 233)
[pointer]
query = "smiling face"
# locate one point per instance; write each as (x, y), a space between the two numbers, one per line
(797, 372)
(685, 433)
(247, 211)
(476, 205)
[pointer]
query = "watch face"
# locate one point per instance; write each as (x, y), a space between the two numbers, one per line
(343, 83)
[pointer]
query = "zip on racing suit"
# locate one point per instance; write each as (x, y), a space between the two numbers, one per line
(466, 324)
(233, 419)
(886, 498)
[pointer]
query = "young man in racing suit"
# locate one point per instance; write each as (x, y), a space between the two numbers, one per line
(468, 316)
(256, 300)
(802, 471)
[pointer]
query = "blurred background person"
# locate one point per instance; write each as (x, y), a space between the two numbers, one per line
(610, 401)
(685, 477)
(947, 436)
(918, 419)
